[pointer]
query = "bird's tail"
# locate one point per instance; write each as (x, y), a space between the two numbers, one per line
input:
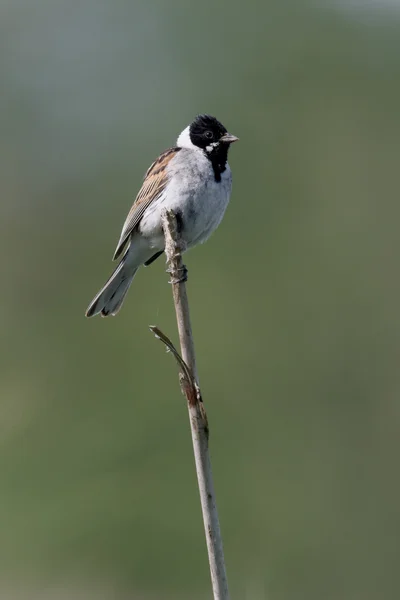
(110, 298)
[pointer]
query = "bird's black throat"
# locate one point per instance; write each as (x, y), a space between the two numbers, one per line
(218, 158)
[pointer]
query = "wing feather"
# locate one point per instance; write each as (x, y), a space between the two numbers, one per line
(154, 183)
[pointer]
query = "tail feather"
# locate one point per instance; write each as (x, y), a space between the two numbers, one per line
(110, 298)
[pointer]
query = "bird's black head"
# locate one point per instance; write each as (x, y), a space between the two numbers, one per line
(206, 133)
(206, 130)
(210, 135)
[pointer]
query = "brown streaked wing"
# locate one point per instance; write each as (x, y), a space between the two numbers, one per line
(153, 185)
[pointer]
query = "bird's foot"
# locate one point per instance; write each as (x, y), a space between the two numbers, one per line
(178, 279)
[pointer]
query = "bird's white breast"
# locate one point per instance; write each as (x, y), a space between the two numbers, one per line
(193, 192)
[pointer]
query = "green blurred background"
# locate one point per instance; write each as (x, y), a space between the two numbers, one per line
(295, 301)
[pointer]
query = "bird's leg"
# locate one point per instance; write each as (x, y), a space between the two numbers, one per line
(179, 222)
(175, 271)
(153, 258)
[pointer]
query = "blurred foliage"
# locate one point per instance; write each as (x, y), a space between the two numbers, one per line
(295, 301)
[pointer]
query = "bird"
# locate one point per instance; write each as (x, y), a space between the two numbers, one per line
(194, 180)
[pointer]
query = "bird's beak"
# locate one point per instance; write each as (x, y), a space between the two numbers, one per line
(228, 138)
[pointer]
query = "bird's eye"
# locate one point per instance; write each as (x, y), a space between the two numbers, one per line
(209, 135)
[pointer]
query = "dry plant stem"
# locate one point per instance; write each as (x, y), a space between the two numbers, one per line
(197, 415)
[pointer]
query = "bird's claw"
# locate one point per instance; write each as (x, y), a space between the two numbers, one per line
(181, 279)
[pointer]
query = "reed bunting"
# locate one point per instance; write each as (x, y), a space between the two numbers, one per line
(194, 180)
